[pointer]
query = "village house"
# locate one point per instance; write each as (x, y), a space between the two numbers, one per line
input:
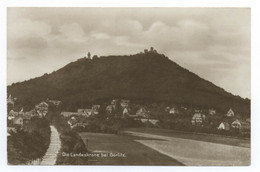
(142, 112)
(88, 112)
(109, 109)
(82, 112)
(18, 118)
(212, 112)
(85, 112)
(72, 121)
(230, 113)
(18, 121)
(54, 102)
(124, 103)
(12, 114)
(10, 100)
(125, 111)
(174, 111)
(42, 109)
(143, 120)
(197, 118)
(95, 109)
(224, 126)
(41, 113)
(236, 124)
(69, 114)
(152, 121)
(42, 106)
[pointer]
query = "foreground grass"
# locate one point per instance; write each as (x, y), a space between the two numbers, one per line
(28, 143)
(135, 153)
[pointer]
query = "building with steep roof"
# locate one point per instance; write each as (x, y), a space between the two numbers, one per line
(174, 111)
(224, 126)
(142, 112)
(230, 113)
(42, 109)
(236, 124)
(197, 118)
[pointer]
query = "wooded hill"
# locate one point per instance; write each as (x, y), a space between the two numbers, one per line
(142, 78)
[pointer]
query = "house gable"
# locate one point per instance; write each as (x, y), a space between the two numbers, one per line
(230, 113)
(197, 118)
(236, 124)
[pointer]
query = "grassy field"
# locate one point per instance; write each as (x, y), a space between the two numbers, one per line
(195, 149)
(135, 153)
(147, 146)
(194, 136)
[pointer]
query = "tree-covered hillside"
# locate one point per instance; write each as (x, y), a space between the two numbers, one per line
(142, 78)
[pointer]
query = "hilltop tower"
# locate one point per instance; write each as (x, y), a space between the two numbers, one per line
(89, 55)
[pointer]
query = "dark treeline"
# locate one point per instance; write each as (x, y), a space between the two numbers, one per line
(102, 124)
(28, 143)
(182, 124)
(114, 125)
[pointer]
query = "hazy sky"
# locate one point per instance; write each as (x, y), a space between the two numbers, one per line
(211, 42)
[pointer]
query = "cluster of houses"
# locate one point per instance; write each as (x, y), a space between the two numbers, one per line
(20, 118)
(74, 120)
(230, 121)
(83, 112)
(198, 117)
(121, 105)
(122, 109)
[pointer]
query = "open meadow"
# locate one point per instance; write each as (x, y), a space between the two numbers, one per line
(166, 147)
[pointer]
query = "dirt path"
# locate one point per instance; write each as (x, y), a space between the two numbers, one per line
(50, 157)
(194, 152)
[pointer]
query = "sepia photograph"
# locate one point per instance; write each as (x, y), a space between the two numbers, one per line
(128, 86)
